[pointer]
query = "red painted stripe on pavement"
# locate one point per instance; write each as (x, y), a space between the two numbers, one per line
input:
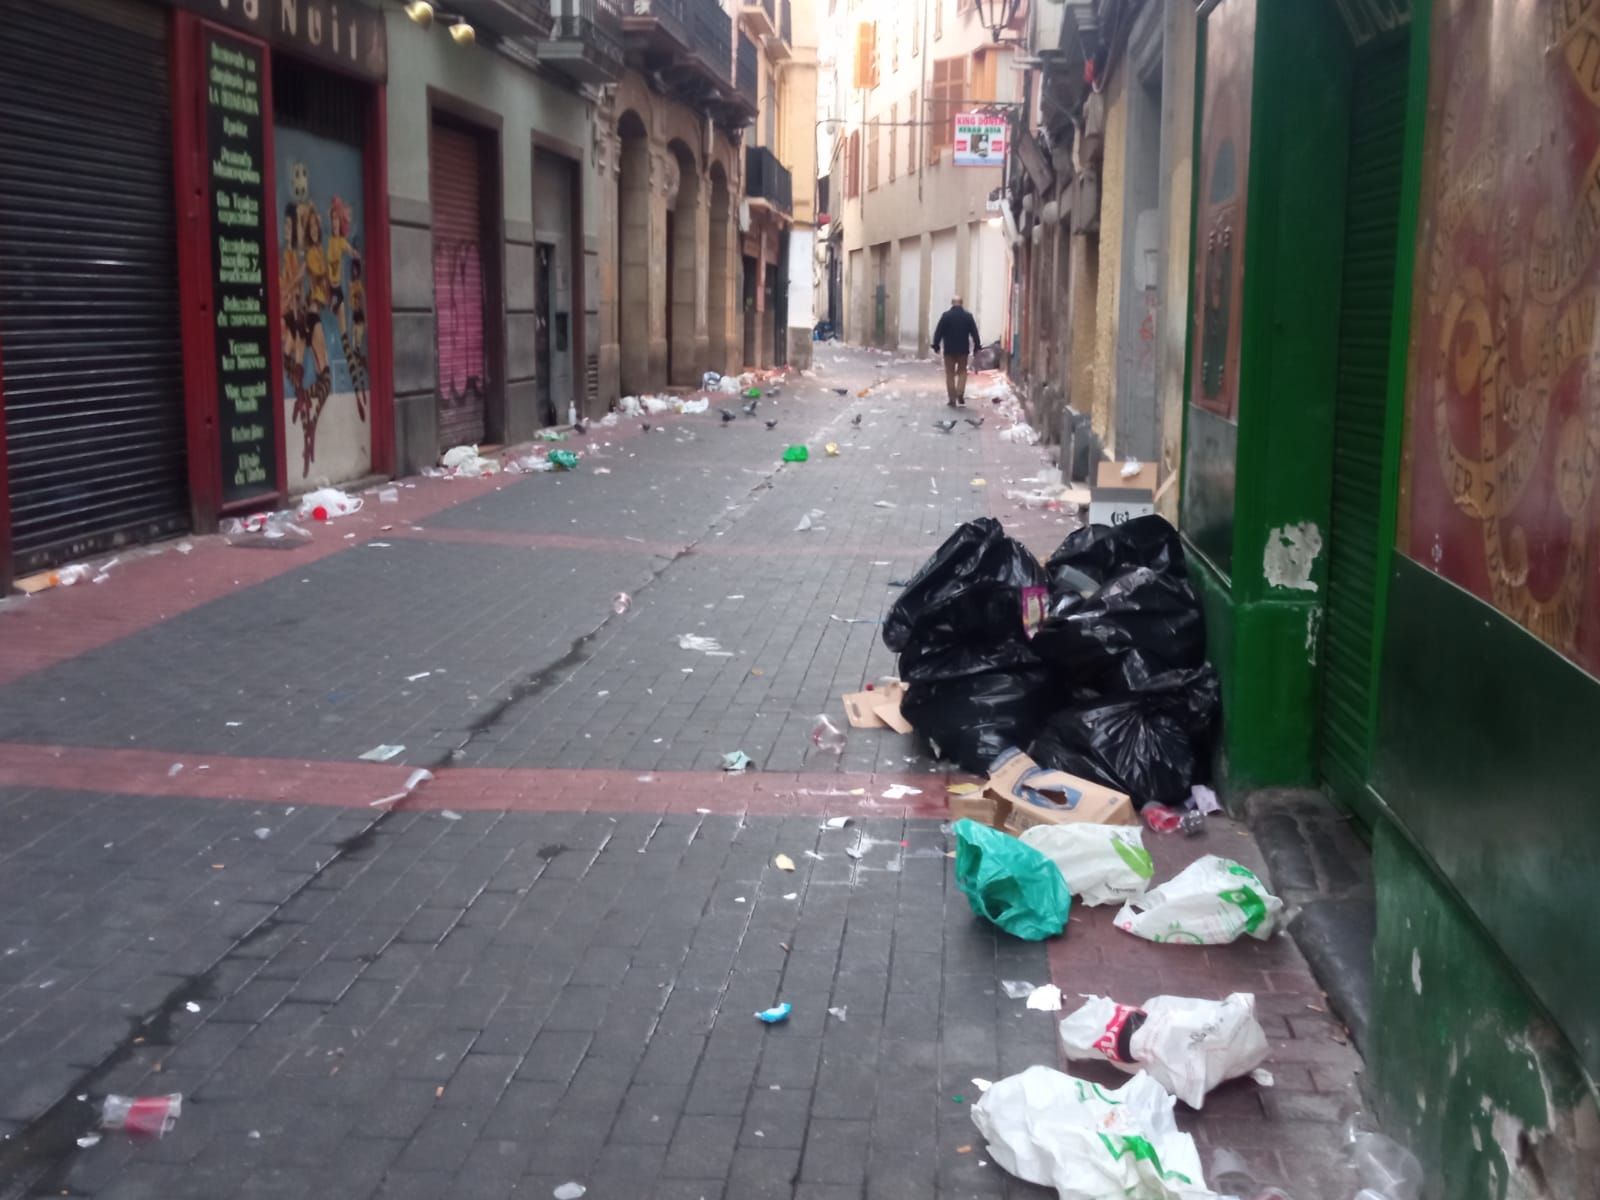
(357, 784)
(711, 547)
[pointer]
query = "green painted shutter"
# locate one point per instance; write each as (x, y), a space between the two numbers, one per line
(1377, 136)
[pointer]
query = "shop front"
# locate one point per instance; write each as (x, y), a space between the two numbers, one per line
(193, 266)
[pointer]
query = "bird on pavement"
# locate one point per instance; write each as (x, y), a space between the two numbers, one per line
(856, 420)
(750, 409)
(645, 425)
(842, 391)
(772, 424)
(727, 416)
(580, 427)
(975, 422)
(945, 426)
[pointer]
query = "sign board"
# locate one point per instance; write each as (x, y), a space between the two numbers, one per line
(980, 139)
(236, 162)
(348, 37)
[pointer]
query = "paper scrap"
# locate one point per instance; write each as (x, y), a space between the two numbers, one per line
(382, 753)
(783, 862)
(1046, 998)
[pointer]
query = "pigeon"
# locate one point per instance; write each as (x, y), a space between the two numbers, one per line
(856, 420)
(750, 409)
(975, 422)
(842, 391)
(945, 426)
(645, 425)
(727, 416)
(580, 427)
(772, 424)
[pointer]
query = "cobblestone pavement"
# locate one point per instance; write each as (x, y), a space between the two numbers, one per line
(542, 965)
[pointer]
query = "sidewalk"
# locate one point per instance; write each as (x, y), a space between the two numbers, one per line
(541, 966)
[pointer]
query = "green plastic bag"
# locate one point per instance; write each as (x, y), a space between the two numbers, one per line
(1010, 883)
(565, 460)
(752, 393)
(796, 454)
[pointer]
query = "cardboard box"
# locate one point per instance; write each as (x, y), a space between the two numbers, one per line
(1109, 475)
(980, 806)
(876, 709)
(1114, 506)
(1033, 796)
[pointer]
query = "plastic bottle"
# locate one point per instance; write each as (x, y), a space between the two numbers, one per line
(149, 1116)
(825, 735)
(572, 412)
(1232, 1179)
(620, 604)
(1385, 1167)
(1161, 819)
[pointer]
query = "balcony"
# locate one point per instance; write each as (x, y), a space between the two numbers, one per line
(586, 43)
(760, 17)
(516, 20)
(685, 49)
(746, 73)
(767, 181)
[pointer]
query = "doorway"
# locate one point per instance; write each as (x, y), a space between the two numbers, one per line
(1350, 640)
(752, 319)
(542, 254)
(556, 266)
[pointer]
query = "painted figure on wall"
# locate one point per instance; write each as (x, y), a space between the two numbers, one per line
(323, 306)
(1504, 440)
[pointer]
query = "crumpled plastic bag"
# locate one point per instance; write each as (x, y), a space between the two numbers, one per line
(1101, 864)
(976, 585)
(1211, 902)
(1188, 1046)
(331, 500)
(466, 462)
(1152, 742)
(1010, 884)
(1087, 1142)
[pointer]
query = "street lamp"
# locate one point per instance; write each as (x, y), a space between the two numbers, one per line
(996, 15)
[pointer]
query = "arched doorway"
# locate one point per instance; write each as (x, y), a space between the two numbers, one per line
(719, 299)
(633, 256)
(683, 269)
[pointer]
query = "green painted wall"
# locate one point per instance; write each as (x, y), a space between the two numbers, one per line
(1465, 1067)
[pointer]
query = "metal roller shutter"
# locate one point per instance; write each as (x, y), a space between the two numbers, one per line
(1372, 205)
(93, 356)
(457, 170)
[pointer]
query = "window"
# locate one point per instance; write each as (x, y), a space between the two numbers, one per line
(946, 97)
(912, 112)
(872, 155)
(852, 166)
(866, 64)
(894, 137)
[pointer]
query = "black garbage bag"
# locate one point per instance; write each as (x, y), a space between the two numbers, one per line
(974, 703)
(1153, 743)
(1093, 554)
(972, 589)
(1140, 623)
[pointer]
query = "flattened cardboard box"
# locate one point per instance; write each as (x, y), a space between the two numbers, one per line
(981, 806)
(876, 709)
(1036, 796)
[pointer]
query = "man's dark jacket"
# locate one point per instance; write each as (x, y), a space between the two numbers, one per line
(956, 333)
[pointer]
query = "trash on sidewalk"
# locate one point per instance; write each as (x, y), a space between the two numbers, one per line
(835, 823)
(1088, 1142)
(569, 1191)
(529, 464)
(1045, 998)
(1160, 818)
(1016, 989)
(382, 753)
(1386, 1169)
(899, 791)
(413, 781)
(795, 454)
(831, 449)
(143, 1116)
(1211, 902)
(1188, 1046)
(265, 531)
(1027, 795)
(775, 1014)
(783, 862)
(808, 521)
(876, 708)
(621, 602)
(1232, 1178)
(1122, 492)
(1102, 864)
(389, 495)
(327, 504)
(736, 762)
(563, 460)
(827, 736)
(88, 1140)
(1203, 800)
(1010, 884)
(710, 647)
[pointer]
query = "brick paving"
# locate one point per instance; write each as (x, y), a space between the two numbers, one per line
(542, 966)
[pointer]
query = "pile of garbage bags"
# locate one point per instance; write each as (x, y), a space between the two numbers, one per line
(1094, 661)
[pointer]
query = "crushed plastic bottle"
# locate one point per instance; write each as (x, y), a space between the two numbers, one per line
(1232, 1179)
(1192, 822)
(621, 603)
(145, 1116)
(1386, 1168)
(825, 735)
(1159, 818)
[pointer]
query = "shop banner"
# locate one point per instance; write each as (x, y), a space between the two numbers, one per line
(980, 139)
(349, 37)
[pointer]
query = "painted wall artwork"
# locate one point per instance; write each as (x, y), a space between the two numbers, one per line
(323, 309)
(1503, 440)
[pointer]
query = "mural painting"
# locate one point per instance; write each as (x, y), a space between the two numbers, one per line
(1504, 398)
(323, 310)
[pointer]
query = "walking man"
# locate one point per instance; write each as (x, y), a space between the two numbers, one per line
(956, 336)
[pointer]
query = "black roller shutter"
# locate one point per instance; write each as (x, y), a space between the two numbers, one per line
(89, 336)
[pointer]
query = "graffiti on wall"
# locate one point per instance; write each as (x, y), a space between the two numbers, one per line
(1504, 399)
(322, 305)
(458, 293)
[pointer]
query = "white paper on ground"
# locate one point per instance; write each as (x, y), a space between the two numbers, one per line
(1102, 864)
(1046, 998)
(1087, 1142)
(1188, 1046)
(1211, 902)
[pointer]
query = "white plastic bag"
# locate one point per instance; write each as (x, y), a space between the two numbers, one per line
(1188, 1046)
(1212, 902)
(694, 407)
(1102, 864)
(467, 462)
(331, 500)
(1089, 1143)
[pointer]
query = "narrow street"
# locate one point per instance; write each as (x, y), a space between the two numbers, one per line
(541, 966)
